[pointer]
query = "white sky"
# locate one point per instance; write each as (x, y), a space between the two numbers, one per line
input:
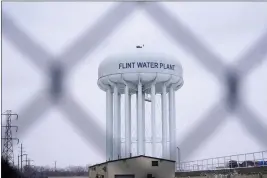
(227, 28)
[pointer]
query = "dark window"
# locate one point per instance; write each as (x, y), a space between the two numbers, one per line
(149, 176)
(155, 163)
(104, 168)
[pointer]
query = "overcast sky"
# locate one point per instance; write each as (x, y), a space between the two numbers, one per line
(228, 29)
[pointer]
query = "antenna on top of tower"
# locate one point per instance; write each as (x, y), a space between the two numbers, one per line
(139, 46)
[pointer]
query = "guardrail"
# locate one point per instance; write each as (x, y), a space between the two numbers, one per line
(255, 159)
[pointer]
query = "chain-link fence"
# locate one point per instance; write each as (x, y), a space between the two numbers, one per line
(57, 72)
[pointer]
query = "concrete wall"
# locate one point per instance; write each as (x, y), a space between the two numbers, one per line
(140, 167)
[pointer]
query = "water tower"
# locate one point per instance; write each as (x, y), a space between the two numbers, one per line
(140, 75)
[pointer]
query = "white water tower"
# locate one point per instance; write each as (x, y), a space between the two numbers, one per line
(140, 74)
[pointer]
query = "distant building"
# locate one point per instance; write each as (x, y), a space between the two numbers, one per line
(134, 167)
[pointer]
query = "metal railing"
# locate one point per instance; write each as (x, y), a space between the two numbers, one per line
(254, 159)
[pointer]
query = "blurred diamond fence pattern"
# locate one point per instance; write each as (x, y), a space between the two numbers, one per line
(57, 71)
(255, 159)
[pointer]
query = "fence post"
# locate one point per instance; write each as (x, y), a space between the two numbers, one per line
(254, 160)
(238, 161)
(246, 163)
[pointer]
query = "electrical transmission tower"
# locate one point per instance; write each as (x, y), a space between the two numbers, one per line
(7, 139)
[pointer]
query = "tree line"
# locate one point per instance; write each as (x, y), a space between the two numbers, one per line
(29, 171)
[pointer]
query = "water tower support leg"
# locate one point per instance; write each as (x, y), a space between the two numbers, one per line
(143, 123)
(153, 119)
(109, 125)
(119, 125)
(127, 123)
(130, 124)
(164, 121)
(116, 122)
(139, 121)
(172, 124)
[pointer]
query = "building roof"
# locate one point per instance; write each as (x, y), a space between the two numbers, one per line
(133, 157)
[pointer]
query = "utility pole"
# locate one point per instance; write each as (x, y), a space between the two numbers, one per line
(7, 140)
(18, 162)
(24, 160)
(179, 158)
(21, 156)
(21, 151)
(27, 168)
(55, 166)
(29, 162)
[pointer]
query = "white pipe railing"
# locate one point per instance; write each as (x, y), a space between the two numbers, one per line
(254, 159)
